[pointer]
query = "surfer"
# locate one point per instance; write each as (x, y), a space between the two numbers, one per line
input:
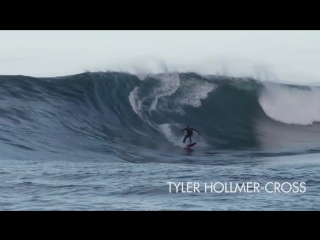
(189, 130)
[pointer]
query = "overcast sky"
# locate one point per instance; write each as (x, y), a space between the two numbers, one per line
(278, 55)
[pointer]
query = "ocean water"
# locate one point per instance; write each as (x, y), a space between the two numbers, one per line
(113, 141)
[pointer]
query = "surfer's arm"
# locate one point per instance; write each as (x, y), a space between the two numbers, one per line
(196, 131)
(183, 130)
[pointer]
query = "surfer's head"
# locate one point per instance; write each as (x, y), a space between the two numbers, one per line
(189, 126)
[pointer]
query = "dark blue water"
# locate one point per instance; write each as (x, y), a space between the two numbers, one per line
(113, 141)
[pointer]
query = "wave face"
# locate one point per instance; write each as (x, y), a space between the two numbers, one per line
(123, 115)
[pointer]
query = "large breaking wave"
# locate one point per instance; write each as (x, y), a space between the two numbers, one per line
(114, 113)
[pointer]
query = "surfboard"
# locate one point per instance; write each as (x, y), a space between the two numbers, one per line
(191, 145)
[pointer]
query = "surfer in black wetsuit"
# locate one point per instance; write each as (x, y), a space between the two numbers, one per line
(189, 130)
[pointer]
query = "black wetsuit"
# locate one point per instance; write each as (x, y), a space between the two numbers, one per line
(189, 133)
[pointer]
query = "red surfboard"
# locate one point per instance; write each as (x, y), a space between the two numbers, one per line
(191, 145)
